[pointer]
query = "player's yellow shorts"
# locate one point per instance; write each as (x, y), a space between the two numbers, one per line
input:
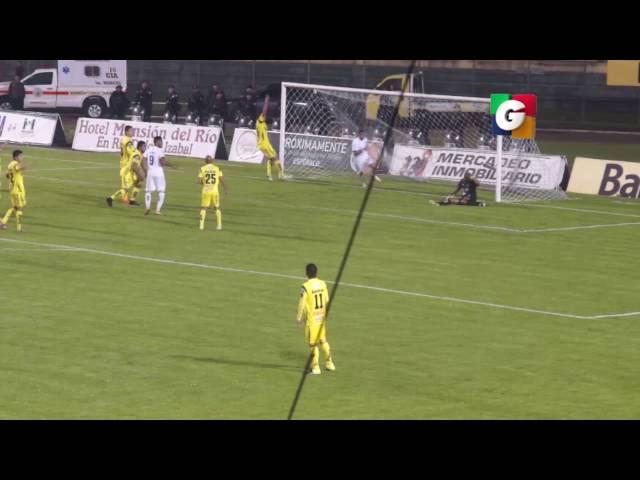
(128, 180)
(268, 150)
(210, 199)
(18, 200)
(315, 332)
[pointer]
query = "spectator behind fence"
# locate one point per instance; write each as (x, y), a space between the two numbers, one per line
(219, 105)
(16, 94)
(196, 103)
(211, 97)
(215, 88)
(144, 97)
(118, 103)
(247, 106)
(172, 104)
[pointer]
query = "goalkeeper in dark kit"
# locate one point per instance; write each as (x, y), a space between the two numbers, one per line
(464, 194)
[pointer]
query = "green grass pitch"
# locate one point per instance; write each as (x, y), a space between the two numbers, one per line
(109, 314)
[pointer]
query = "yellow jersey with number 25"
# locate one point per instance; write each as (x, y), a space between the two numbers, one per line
(210, 176)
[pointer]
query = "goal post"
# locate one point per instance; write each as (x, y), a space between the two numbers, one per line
(436, 138)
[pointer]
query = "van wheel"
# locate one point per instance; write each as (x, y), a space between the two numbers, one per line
(94, 108)
(5, 104)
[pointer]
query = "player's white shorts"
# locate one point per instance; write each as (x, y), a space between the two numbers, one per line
(156, 183)
(362, 162)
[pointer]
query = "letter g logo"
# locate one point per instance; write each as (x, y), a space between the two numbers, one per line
(513, 115)
(510, 115)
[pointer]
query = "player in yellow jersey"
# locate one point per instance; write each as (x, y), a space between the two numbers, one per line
(312, 312)
(16, 190)
(126, 150)
(136, 175)
(210, 177)
(1, 147)
(263, 141)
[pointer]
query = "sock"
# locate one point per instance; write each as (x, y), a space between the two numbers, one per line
(119, 193)
(147, 200)
(268, 167)
(203, 213)
(19, 219)
(326, 350)
(218, 218)
(134, 193)
(7, 216)
(279, 168)
(160, 201)
(315, 357)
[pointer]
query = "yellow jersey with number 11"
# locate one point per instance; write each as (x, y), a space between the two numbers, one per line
(314, 298)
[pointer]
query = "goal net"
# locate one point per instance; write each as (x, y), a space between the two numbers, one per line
(434, 138)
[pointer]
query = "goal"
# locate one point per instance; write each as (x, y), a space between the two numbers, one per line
(435, 138)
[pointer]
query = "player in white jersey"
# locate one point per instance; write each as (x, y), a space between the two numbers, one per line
(364, 164)
(153, 164)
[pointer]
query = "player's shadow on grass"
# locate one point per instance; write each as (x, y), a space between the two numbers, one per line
(240, 363)
(185, 208)
(236, 212)
(264, 234)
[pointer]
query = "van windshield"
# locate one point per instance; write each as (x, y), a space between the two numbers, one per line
(43, 78)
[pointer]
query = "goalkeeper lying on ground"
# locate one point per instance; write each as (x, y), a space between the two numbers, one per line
(468, 186)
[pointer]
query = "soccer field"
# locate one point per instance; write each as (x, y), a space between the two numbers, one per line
(510, 311)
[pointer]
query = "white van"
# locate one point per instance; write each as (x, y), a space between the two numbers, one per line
(75, 84)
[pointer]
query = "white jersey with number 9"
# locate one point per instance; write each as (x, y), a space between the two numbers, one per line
(153, 155)
(155, 173)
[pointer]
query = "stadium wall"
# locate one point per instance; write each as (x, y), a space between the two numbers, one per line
(573, 94)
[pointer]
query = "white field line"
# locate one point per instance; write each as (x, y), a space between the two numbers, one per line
(69, 168)
(577, 227)
(340, 185)
(391, 216)
(76, 182)
(494, 227)
(471, 225)
(411, 219)
(351, 285)
(382, 189)
(585, 210)
(414, 219)
(614, 315)
(115, 157)
(634, 203)
(56, 249)
(56, 159)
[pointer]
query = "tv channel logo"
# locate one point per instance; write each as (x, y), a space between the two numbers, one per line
(514, 115)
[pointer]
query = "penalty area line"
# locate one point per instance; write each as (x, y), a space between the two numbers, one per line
(346, 284)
